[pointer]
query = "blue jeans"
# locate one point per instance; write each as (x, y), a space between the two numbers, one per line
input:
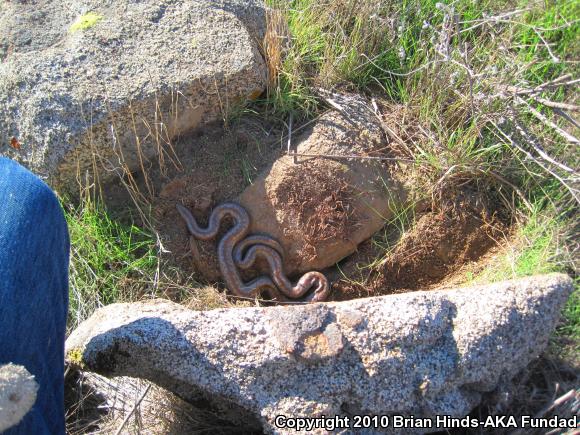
(34, 255)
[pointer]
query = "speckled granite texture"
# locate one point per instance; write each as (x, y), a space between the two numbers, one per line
(117, 91)
(422, 353)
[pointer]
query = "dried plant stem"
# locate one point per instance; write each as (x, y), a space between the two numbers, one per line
(570, 138)
(137, 403)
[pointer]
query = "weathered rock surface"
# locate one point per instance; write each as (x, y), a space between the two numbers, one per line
(17, 394)
(421, 353)
(321, 208)
(123, 84)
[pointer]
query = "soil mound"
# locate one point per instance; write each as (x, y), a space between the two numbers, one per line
(441, 240)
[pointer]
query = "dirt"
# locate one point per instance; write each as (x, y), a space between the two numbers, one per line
(200, 171)
(439, 243)
(216, 165)
(321, 204)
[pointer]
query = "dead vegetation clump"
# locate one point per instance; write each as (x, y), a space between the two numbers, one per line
(319, 201)
(126, 405)
(548, 387)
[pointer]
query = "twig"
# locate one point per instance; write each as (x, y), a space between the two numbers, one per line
(128, 416)
(540, 151)
(463, 51)
(538, 162)
(290, 119)
(567, 117)
(351, 156)
(557, 105)
(555, 58)
(559, 401)
(488, 20)
(539, 29)
(325, 95)
(557, 82)
(541, 117)
(296, 130)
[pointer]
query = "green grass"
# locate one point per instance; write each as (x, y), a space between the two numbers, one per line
(448, 66)
(110, 262)
(533, 254)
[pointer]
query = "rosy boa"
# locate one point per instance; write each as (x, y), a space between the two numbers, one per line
(237, 249)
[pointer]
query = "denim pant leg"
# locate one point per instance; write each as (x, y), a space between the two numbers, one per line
(34, 255)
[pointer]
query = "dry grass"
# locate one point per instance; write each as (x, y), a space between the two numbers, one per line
(133, 406)
(273, 46)
(476, 96)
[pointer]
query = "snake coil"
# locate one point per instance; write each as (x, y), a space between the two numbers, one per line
(238, 249)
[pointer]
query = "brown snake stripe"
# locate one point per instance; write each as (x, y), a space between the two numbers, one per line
(235, 249)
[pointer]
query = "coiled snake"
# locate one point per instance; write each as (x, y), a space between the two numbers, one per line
(237, 249)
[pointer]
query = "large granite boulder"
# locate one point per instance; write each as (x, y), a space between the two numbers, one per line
(112, 82)
(421, 354)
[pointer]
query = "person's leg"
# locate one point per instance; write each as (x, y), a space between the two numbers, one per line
(34, 254)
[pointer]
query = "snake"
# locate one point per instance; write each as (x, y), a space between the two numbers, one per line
(293, 291)
(238, 249)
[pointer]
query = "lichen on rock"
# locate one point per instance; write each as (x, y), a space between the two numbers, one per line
(85, 22)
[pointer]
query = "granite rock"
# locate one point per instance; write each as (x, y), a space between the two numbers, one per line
(421, 353)
(113, 82)
(18, 391)
(321, 204)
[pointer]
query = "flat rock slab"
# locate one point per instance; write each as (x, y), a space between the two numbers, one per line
(421, 354)
(113, 81)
